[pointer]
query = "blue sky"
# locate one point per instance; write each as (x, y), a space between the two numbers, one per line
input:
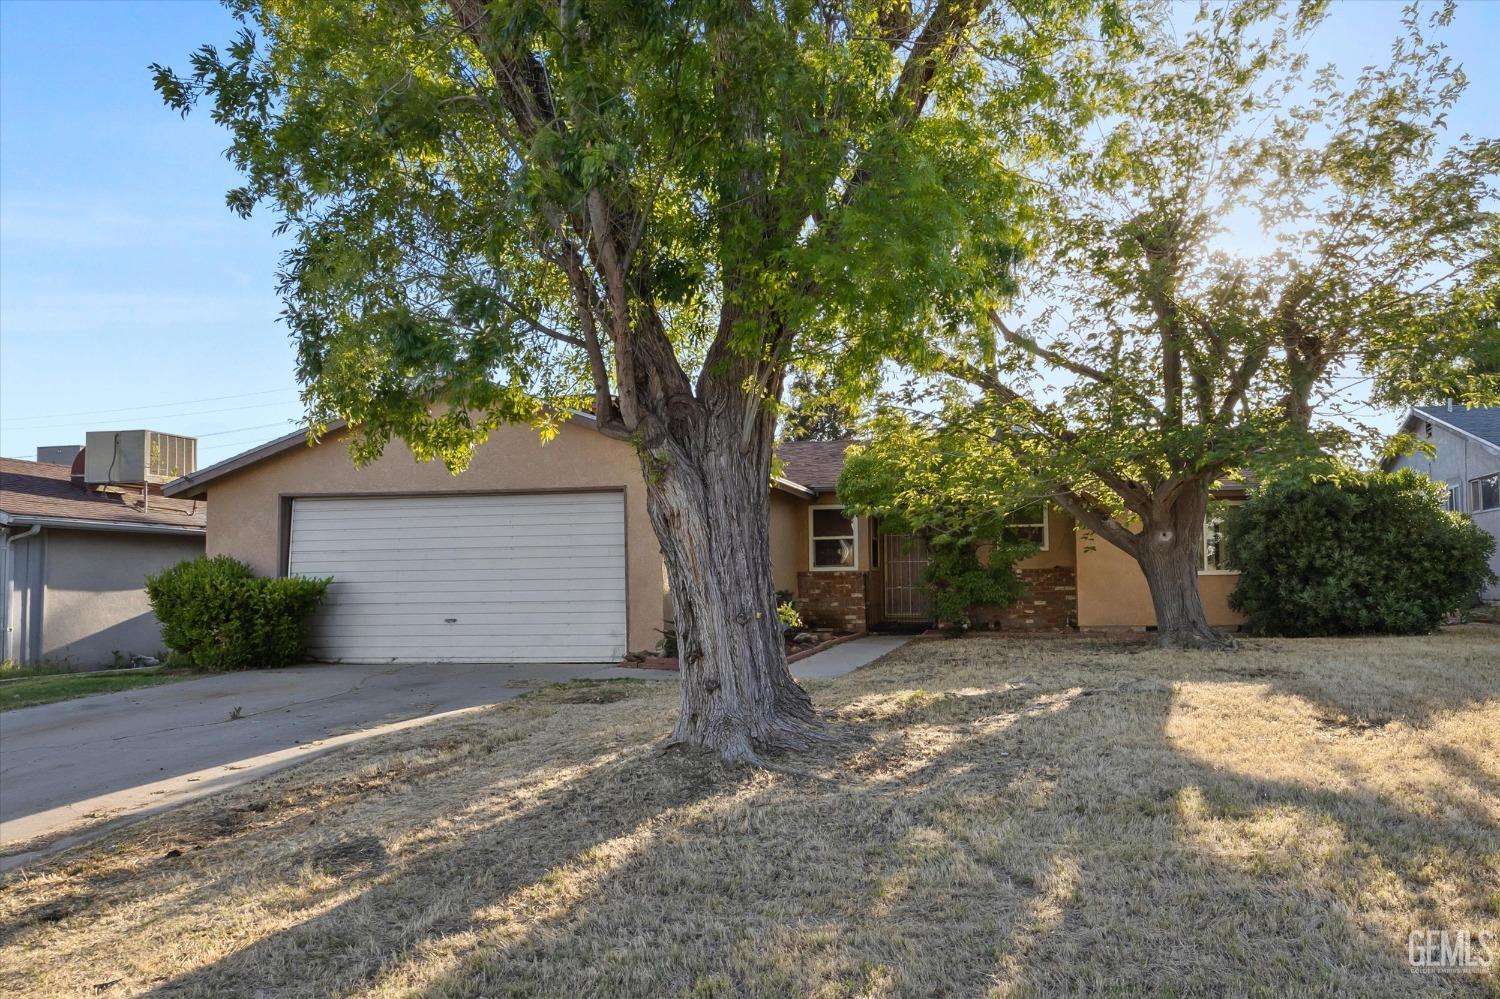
(131, 297)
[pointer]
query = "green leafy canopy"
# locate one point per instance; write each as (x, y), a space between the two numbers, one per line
(1147, 356)
(503, 210)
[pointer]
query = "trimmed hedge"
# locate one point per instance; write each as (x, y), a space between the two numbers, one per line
(221, 616)
(1369, 553)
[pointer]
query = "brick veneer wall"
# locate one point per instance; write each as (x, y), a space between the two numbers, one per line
(832, 599)
(1050, 602)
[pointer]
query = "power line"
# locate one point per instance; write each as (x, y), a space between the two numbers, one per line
(156, 405)
(237, 430)
(93, 421)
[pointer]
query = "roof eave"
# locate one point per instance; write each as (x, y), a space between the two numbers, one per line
(795, 488)
(86, 524)
(1423, 414)
(195, 484)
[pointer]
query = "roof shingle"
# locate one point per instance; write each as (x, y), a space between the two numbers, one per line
(30, 489)
(814, 464)
(1482, 421)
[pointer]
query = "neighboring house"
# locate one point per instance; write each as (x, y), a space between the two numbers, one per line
(74, 562)
(545, 552)
(1466, 459)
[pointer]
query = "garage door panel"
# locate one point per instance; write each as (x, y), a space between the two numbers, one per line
(448, 512)
(429, 585)
(390, 564)
(478, 620)
(435, 590)
(471, 636)
(458, 537)
(483, 543)
(523, 654)
(470, 578)
(433, 522)
(438, 520)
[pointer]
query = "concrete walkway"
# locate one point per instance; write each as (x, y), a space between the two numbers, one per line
(848, 657)
(98, 758)
(843, 658)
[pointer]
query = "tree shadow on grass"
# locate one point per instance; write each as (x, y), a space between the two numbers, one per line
(1009, 830)
(982, 854)
(428, 898)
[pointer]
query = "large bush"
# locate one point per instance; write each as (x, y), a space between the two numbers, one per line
(1368, 552)
(220, 615)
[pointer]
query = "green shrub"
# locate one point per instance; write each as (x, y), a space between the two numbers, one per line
(1368, 552)
(960, 579)
(219, 615)
(787, 614)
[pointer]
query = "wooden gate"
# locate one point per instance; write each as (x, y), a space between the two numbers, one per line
(907, 596)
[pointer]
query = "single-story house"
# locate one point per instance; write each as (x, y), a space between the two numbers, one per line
(74, 562)
(1465, 458)
(545, 552)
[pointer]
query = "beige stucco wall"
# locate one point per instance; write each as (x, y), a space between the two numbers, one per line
(1112, 589)
(94, 603)
(245, 508)
(788, 529)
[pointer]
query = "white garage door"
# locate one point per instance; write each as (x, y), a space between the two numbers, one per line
(528, 578)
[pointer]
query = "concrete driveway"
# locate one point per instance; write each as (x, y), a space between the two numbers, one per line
(111, 756)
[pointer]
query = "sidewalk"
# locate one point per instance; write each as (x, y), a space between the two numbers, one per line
(845, 657)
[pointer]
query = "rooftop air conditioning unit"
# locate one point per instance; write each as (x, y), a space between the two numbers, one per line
(137, 457)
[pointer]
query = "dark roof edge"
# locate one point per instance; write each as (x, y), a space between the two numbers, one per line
(88, 524)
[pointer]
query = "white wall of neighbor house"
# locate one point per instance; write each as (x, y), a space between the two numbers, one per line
(1459, 461)
(78, 597)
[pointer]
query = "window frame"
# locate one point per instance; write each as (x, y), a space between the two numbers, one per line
(813, 538)
(1455, 500)
(1476, 494)
(1203, 570)
(1045, 523)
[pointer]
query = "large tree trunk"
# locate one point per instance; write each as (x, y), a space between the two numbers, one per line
(1168, 554)
(708, 494)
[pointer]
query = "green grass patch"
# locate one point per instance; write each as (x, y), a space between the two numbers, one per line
(44, 688)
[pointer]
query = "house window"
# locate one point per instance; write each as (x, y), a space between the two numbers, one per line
(1028, 525)
(1212, 548)
(1484, 493)
(1451, 499)
(832, 538)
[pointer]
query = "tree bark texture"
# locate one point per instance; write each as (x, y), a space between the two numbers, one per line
(1168, 553)
(708, 495)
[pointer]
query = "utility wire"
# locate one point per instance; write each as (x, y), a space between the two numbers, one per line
(93, 421)
(179, 402)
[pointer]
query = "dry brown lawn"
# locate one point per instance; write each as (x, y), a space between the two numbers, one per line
(1009, 818)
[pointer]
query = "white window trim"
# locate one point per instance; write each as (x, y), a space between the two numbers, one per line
(1203, 569)
(813, 539)
(1475, 507)
(1046, 528)
(1455, 496)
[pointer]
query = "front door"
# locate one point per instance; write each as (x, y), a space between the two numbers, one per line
(907, 595)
